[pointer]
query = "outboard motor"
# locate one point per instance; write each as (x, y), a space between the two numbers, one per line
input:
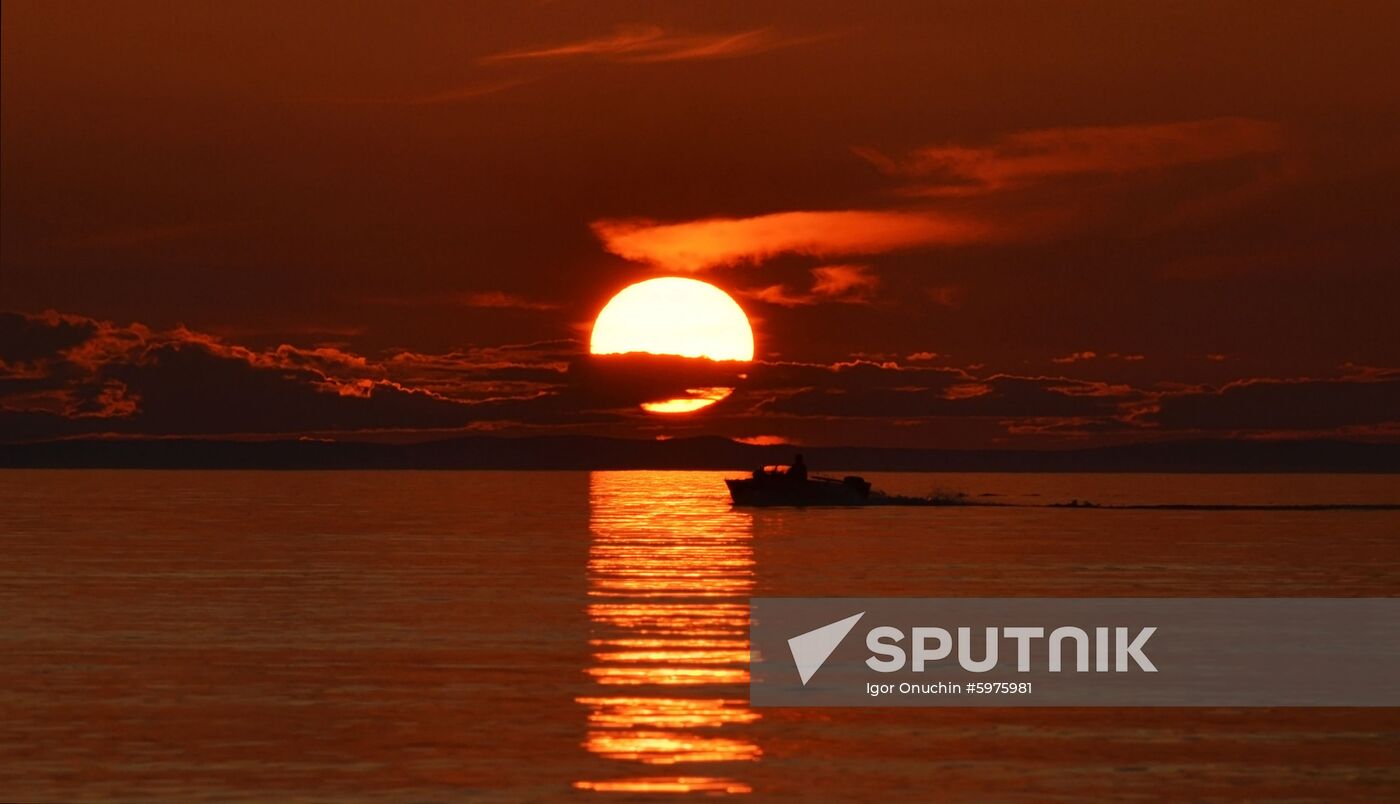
(858, 483)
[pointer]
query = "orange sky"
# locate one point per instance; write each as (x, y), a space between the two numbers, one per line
(1037, 223)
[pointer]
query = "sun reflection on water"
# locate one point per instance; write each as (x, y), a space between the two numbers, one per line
(670, 571)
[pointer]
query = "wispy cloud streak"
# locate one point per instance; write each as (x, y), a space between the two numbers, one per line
(1042, 154)
(653, 43)
(847, 284)
(713, 242)
(1008, 191)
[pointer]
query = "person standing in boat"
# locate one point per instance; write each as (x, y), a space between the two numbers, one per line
(798, 470)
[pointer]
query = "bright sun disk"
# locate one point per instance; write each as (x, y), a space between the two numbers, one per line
(673, 316)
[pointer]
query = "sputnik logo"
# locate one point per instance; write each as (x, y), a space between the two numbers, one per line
(811, 650)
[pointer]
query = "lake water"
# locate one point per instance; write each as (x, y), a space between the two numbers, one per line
(420, 636)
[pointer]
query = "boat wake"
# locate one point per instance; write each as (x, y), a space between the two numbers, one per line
(1222, 506)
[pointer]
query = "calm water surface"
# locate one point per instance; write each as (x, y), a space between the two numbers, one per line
(418, 636)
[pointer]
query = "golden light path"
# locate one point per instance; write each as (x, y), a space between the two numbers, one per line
(673, 315)
(670, 572)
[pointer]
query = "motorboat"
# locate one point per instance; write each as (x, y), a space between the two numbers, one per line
(780, 485)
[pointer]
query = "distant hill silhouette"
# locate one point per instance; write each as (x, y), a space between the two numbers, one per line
(590, 452)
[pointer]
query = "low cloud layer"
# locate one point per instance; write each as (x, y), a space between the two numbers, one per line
(65, 376)
(68, 375)
(1284, 405)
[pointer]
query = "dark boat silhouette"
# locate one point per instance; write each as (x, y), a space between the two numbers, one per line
(780, 485)
(792, 486)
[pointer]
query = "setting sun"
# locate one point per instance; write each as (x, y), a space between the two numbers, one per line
(383, 413)
(673, 316)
